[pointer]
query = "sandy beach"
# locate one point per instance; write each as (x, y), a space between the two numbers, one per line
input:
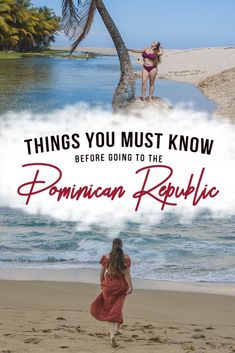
(211, 69)
(46, 317)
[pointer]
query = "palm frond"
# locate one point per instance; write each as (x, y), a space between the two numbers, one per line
(69, 15)
(81, 24)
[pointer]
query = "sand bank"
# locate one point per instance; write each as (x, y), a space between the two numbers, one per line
(211, 69)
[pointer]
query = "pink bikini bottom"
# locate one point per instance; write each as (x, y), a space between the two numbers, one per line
(149, 68)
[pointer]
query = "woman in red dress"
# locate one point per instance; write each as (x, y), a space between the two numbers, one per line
(116, 283)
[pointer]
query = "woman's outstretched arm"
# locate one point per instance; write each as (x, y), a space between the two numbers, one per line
(136, 50)
(127, 274)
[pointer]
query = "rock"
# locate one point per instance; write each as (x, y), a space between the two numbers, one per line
(138, 105)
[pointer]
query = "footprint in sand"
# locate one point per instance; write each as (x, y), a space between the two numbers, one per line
(189, 348)
(210, 328)
(197, 330)
(6, 351)
(78, 329)
(149, 326)
(98, 334)
(211, 344)
(60, 318)
(64, 347)
(33, 340)
(158, 339)
(46, 330)
(198, 336)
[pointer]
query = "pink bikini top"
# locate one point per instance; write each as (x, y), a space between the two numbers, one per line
(151, 56)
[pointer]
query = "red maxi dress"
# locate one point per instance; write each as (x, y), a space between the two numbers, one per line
(109, 303)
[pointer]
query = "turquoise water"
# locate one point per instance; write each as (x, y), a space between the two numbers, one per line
(43, 84)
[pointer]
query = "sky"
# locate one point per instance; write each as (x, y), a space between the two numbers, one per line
(175, 23)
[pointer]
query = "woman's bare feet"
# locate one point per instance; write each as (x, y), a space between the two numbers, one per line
(114, 343)
(117, 329)
(143, 99)
(150, 99)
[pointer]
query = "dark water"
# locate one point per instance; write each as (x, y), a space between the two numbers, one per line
(43, 84)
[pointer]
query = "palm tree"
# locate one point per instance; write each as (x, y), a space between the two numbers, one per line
(46, 26)
(24, 28)
(77, 22)
(6, 18)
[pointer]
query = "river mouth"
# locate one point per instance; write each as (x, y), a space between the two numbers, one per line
(42, 84)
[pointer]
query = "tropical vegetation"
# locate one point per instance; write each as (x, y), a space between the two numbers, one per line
(26, 28)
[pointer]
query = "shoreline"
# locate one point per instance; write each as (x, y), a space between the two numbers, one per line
(91, 276)
(211, 70)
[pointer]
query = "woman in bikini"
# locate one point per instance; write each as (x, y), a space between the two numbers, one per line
(116, 283)
(151, 57)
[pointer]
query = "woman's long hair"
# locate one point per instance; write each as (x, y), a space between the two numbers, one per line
(156, 52)
(116, 264)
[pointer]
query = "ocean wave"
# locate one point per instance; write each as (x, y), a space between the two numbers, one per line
(173, 251)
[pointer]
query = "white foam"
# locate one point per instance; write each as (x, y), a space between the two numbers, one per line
(219, 166)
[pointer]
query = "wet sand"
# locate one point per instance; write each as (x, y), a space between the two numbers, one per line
(46, 316)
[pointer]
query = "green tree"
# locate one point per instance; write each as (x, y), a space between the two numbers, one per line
(46, 27)
(24, 28)
(7, 18)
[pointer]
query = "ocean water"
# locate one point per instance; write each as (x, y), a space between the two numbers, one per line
(203, 250)
(199, 251)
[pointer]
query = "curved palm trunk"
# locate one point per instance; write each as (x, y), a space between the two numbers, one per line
(125, 91)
